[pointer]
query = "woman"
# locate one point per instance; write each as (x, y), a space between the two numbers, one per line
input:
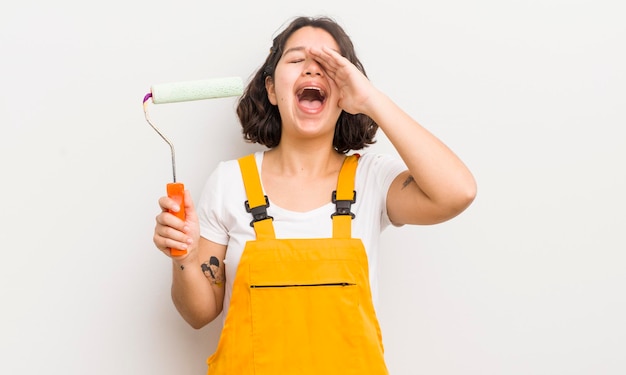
(310, 104)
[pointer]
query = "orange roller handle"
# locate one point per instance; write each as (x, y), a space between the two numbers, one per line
(176, 191)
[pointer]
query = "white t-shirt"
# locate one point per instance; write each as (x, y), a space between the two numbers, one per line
(224, 220)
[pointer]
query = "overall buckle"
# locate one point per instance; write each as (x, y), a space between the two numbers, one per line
(259, 213)
(342, 206)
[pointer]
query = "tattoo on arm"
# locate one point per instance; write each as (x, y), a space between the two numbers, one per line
(214, 271)
(407, 181)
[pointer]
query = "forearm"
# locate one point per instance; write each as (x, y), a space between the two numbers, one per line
(193, 295)
(438, 172)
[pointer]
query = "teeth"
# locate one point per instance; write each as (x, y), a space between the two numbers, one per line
(320, 91)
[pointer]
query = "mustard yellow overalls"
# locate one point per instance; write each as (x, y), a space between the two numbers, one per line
(300, 306)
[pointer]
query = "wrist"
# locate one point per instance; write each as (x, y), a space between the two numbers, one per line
(185, 261)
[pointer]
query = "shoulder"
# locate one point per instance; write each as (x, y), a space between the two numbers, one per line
(224, 184)
(378, 160)
(377, 168)
(221, 204)
(228, 170)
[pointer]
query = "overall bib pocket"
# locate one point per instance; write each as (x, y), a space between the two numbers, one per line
(300, 311)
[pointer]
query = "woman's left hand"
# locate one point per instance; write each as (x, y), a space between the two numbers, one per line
(355, 89)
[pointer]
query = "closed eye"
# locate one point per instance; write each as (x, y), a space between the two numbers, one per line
(294, 55)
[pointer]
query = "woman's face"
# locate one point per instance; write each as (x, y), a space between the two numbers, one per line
(305, 96)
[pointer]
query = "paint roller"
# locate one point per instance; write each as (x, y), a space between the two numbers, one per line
(183, 92)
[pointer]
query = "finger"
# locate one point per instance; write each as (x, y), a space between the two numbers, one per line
(166, 244)
(169, 220)
(169, 236)
(168, 204)
(190, 209)
(333, 58)
(323, 58)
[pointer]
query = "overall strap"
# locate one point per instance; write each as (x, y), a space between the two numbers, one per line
(344, 197)
(257, 202)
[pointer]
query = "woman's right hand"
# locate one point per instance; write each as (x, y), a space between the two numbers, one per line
(172, 232)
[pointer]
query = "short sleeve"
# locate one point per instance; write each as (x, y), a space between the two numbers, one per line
(210, 208)
(376, 173)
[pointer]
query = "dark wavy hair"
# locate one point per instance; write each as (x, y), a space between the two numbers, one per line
(261, 120)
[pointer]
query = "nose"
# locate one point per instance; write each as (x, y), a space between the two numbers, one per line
(313, 68)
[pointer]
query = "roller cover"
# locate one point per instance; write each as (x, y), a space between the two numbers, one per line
(196, 90)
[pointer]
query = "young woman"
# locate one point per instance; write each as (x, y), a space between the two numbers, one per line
(284, 244)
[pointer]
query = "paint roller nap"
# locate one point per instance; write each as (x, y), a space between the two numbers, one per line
(196, 90)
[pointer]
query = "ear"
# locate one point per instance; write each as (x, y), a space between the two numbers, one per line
(271, 93)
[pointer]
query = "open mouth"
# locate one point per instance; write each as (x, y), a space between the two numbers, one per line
(311, 97)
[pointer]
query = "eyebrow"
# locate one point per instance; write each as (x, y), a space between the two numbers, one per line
(293, 49)
(302, 48)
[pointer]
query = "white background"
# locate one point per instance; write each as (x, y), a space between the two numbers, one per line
(530, 94)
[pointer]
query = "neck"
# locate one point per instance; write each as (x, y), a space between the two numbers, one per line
(303, 160)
